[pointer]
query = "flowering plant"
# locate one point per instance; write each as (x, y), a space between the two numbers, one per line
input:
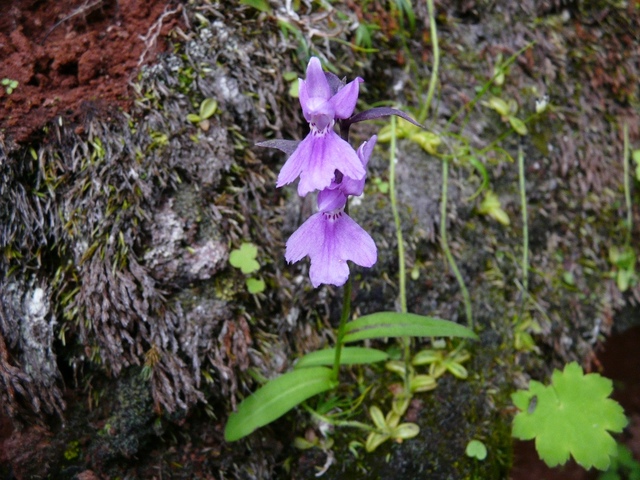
(326, 163)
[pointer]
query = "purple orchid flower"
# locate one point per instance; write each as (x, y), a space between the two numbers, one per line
(348, 185)
(322, 152)
(330, 237)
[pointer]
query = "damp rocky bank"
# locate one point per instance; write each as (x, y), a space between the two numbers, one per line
(126, 337)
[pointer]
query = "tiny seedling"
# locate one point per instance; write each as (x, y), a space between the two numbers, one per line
(244, 258)
(476, 449)
(441, 361)
(490, 206)
(624, 260)
(507, 111)
(388, 428)
(571, 416)
(624, 466)
(9, 85)
(207, 108)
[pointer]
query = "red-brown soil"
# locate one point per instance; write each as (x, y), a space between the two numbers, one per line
(64, 53)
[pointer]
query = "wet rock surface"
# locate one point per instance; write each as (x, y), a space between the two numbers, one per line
(126, 338)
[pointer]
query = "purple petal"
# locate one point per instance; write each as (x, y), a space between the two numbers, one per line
(330, 199)
(350, 186)
(330, 239)
(305, 239)
(295, 163)
(345, 100)
(354, 243)
(366, 149)
(344, 240)
(327, 153)
(316, 83)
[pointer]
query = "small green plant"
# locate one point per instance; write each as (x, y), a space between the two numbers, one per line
(571, 416)
(490, 206)
(623, 466)
(624, 261)
(207, 108)
(507, 111)
(440, 361)
(244, 258)
(9, 85)
(73, 450)
(476, 449)
(624, 258)
(388, 428)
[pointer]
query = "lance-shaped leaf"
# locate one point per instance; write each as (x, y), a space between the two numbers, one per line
(395, 324)
(348, 356)
(572, 416)
(375, 113)
(286, 146)
(276, 398)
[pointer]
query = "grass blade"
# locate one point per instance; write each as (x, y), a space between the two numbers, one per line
(395, 324)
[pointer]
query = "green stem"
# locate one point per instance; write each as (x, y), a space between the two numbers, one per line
(445, 244)
(402, 275)
(341, 423)
(525, 224)
(344, 318)
(424, 112)
(396, 217)
(627, 186)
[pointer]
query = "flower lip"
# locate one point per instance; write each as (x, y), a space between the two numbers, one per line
(330, 239)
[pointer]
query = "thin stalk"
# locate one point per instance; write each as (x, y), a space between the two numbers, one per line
(627, 185)
(344, 318)
(396, 217)
(340, 423)
(424, 111)
(525, 224)
(445, 245)
(402, 274)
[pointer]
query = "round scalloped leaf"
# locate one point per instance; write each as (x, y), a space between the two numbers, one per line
(572, 416)
(244, 258)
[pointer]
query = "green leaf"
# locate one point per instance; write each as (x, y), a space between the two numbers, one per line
(405, 431)
(428, 141)
(244, 258)
(572, 416)
(208, 107)
(255, 285)
(491, 206)
(378, 417)
(349, 356)
(261, 5)
(518, 125)
(476, 449)
(499, 106)
(294, 88)
(290, 76)
(394, 324)
(193, 118)
(423, 383)
(276, 398)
